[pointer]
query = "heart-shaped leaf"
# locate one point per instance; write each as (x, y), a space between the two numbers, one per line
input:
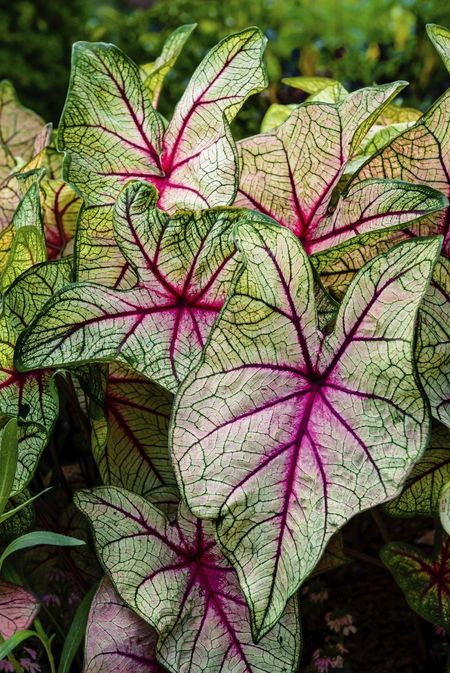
(111, 134)
(422, 489)
(423, 579)
(291, 175)
(159, 327)
(18, 608)
(175, 577)
(419, 155)
(117, 640)
(283, 433)
(433, 353)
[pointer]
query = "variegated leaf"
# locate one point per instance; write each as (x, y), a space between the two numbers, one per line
(111, 134)
(292, 175)
(130, 437)
(18, 609)
(422, 489)
(175, 577)
(282, 433)
(117, 640)
(159, 327)
(433, 343)
(423, 579)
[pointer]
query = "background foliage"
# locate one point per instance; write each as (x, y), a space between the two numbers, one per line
(355, 41)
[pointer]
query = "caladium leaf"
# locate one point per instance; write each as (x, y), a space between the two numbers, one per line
(419, 155)
(18, 609)
(61, 207)
(111, 132)
(440, 37)
(130, 437)
(175, 577)
(154, 74)
(422, 489)
(433, 344)
(278, 181)
(160, 326)
(19, 126)
(423, 579)
(282, 433)
(32, 398)
(117, 640)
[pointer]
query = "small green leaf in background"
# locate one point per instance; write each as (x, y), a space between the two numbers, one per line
(76, 632)
(37, 538)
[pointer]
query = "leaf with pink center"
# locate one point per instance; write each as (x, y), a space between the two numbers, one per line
(422, 489)
(433, 343)
(117, 640)
(18, 608)
(282, 433)
(111, 134)
(292, 175)
(175, 577)
(419, 155)
(424, 579)
(159, 327)
(130, 436)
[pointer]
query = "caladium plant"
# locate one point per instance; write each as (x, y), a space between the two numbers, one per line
(249, 340)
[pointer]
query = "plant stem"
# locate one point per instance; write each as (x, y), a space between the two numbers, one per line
(376, 515)
(361, 556)
(47, 644)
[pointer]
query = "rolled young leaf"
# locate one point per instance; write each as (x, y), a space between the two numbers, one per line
(159, 327)
(18, 608)
(117, 640)
(175, 577)
(282, 433)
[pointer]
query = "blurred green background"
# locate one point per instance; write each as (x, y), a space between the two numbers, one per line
(356, 41)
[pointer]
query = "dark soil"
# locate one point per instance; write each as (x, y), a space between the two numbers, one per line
(390, 638)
